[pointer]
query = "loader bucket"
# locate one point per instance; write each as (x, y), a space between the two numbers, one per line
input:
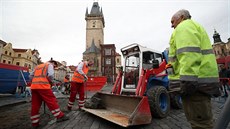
(123, 110)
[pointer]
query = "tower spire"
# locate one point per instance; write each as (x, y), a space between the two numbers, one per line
(216, 37)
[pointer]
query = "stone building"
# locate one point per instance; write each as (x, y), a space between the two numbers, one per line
(221, 49)
(94, 37)
(1, 47)
(103, 55)
(108, 61)
(21, 57)
(60, 72)
(27, 58)
(7, 54)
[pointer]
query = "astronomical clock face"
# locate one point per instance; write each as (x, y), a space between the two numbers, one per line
(93, 23)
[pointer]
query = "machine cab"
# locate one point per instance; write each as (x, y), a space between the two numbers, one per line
(136, 58)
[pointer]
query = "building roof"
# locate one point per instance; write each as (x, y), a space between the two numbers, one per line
(35, 50)
(19, 50)
(3, 42)
(216, 37)
(92, 49)
(96, 11)
(117, 54)
(108, 45)
(72, 68)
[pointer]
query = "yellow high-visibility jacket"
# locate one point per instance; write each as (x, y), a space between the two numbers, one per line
(191, 55)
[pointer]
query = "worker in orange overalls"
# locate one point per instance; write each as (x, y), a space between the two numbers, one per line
(77, 84)
(42, 78)
(66, 79)
(66, 84)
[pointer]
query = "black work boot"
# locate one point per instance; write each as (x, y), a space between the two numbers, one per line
(64, 118)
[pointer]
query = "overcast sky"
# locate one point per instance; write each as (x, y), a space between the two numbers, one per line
(57, 28)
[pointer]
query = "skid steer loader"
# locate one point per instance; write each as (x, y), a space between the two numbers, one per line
(140, 90)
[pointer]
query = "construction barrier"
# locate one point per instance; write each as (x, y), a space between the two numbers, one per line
(95, 83)
(12, 77)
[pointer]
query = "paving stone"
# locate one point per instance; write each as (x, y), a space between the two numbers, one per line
(85, 120)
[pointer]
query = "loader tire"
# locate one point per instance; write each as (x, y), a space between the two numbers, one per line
(159, 101)
(176, 101)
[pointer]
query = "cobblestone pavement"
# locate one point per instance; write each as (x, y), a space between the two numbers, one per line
(175, 120)
(85, 120)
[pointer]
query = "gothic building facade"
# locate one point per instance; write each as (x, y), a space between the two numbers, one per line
(104, 56)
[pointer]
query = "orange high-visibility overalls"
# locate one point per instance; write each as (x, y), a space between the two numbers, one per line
(41, 91)
(77, 86)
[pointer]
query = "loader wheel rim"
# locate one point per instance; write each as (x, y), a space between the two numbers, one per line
(163, 102)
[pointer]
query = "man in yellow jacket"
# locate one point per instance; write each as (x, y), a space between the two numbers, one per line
(194, 72)
(42, 78)
(77, 84)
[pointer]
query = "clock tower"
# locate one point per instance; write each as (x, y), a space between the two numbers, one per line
(94, 38)
(94, 26)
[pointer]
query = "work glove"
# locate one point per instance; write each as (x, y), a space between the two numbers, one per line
(169, 69)
(188, 87)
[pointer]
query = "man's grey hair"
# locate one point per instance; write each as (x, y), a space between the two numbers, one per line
(184, 13)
